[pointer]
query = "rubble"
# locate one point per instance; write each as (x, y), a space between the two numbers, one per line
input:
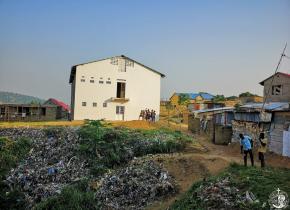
(135, 186)
(50, 165)
(221, 195)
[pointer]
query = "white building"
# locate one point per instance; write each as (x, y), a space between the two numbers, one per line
(115, 88)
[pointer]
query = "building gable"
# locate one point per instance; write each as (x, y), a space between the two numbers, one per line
(278, 74)
(73, 68)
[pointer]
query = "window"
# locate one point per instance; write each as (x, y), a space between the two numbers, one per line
(105, 104)
(108, 82)
(84, 103)
(101, 82)
(94, 104)
(277, 90)
(92, 81)
(121, 86)
(120, 109)
(83, 80)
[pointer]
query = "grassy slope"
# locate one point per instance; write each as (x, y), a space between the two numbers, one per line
(262, 182)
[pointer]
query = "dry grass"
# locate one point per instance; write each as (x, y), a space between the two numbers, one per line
(41, 124)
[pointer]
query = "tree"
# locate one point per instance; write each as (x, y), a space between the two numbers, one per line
(183, 99)
(247, 94)
(219, 98)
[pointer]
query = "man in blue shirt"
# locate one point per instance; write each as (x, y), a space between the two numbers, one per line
(247, 145)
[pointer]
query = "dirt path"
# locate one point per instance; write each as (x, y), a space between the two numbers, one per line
(198, 163)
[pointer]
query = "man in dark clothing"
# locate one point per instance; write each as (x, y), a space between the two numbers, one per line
(246, 146)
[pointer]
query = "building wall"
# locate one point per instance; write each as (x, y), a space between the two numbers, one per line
(251, 99)
(281, 122)
(174, 100)
(278, 80)
(142, 90)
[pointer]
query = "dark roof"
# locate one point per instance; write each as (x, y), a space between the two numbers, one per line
(73, 68)
(281, 73)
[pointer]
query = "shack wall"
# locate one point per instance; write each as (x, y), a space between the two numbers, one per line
(281, 121)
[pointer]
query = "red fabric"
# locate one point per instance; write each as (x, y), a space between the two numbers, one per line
(60, 103)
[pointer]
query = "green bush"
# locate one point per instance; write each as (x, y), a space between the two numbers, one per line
(71, 198)
(107, 147)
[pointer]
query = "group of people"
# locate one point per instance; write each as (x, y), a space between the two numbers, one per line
(247, 148)
(148, 115)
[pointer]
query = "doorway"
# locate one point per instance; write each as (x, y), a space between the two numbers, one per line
(120, 112)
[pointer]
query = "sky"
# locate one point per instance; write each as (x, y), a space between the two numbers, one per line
(221, 47)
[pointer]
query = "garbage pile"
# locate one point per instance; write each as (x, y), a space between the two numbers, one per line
(135, 186)
(51, 163)
(222, 196)
(15, 133)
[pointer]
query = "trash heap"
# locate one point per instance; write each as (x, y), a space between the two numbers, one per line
(221, 195)
(135, 186)
(51, 163)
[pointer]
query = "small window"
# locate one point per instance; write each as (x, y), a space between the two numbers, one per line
(109, 78)
(92, 77)
(101, 82)
(83, 80)
(94, 104)
(84, 103)
(104, 104)
(83, 76)
(277, 90)
(108, 82)
(92, 81)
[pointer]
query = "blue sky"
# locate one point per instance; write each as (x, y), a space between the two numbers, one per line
(222, 47)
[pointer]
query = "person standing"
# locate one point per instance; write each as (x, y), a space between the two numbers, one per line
(262, 148)
(246, 148)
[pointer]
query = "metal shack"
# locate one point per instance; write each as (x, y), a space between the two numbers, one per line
(275, 121)
(216, 123)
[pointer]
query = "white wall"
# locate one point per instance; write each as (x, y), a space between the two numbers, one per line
(142, 90)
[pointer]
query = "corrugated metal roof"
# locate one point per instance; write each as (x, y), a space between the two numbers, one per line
(268, 106)
(215, 109)
(205, 96)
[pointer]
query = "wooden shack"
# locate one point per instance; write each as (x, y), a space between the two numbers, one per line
(28, 112)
